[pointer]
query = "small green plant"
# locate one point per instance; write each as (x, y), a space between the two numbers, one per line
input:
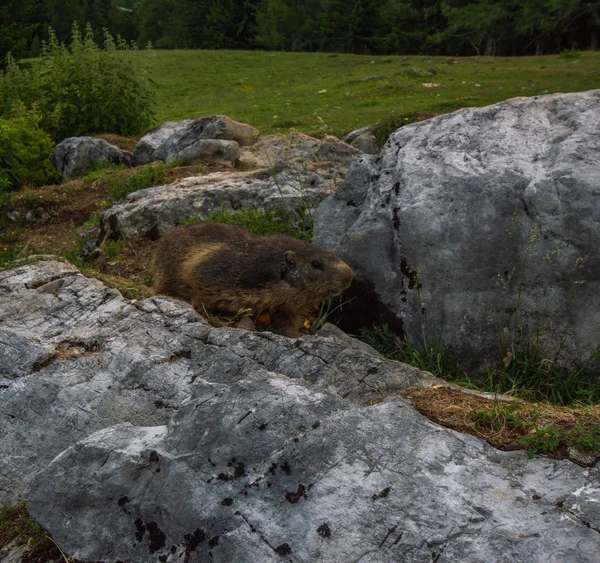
(497, 418)
(100, 169)
(326, 309)
(113, 248)
(544, 440)
(8, 254)
(120, 185)
(82, 88)
(24, 149)
(587, 437)
(435, 358)
(526, 372)
(84, 237)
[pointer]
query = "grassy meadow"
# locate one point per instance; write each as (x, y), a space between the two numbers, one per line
(322, 93)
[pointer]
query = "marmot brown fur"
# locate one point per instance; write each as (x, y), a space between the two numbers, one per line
(224, 269)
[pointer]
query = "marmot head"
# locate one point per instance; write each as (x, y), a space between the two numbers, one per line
(316, 270)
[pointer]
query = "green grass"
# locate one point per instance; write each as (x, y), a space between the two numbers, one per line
(120, 184)
(526, 374)
(261, 222)
(320, 93)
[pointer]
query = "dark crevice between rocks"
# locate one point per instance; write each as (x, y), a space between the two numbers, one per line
(283, 549)
(361, 307)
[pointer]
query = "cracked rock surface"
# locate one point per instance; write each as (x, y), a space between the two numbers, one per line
(151, 212)
(481, 220)
(139, 433)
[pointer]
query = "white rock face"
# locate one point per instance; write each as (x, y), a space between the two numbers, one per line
(179, 140)
(481, 223)
(150, 436)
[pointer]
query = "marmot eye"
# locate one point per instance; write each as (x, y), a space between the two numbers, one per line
(316, 264)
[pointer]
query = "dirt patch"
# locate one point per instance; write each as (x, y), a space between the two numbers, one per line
(124, 143)
(515, 425)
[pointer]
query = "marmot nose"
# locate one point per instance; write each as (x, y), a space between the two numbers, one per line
(346, 272)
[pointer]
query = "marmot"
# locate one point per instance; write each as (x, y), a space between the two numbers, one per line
(224, 269)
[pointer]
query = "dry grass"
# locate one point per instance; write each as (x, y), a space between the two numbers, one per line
(510, 424)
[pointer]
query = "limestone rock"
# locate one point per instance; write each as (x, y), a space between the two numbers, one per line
(74, 156)
(482, 220)
(151, 212)
(171, 140)
(83, 359)
(152, 436)
(210, 150)
(329, 157)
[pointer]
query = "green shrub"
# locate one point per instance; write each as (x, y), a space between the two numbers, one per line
(82, 88)
(24, 149)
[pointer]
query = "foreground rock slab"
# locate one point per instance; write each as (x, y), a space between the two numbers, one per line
(78, 358)
(146, 435)
(482, 226)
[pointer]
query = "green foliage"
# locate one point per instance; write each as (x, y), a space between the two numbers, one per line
(436, 359)
(99, 169)
(82, 88)
(537, 437)
(527, 372)
(24, 149)
(587, 437)
(261, 222)
(113, 248)
(545, 439)
(499, 417)
(16, 526)
(120, 185)
(446, 27)
(8, 254)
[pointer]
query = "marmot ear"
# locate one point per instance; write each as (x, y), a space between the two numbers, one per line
(290, 259)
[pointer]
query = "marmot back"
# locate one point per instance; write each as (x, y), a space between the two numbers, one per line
(224, 269)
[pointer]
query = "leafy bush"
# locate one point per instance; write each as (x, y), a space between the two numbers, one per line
(82, 88)
(24, 149)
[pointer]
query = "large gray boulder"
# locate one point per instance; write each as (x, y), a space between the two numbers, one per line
(481, 227)
(150, 436)
(74, 156)
(151, 212)
(175, 140)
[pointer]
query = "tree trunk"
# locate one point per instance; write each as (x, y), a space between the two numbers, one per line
(489, 46)
(594, 40)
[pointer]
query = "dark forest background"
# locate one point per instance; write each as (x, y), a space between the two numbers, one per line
(450, 27)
